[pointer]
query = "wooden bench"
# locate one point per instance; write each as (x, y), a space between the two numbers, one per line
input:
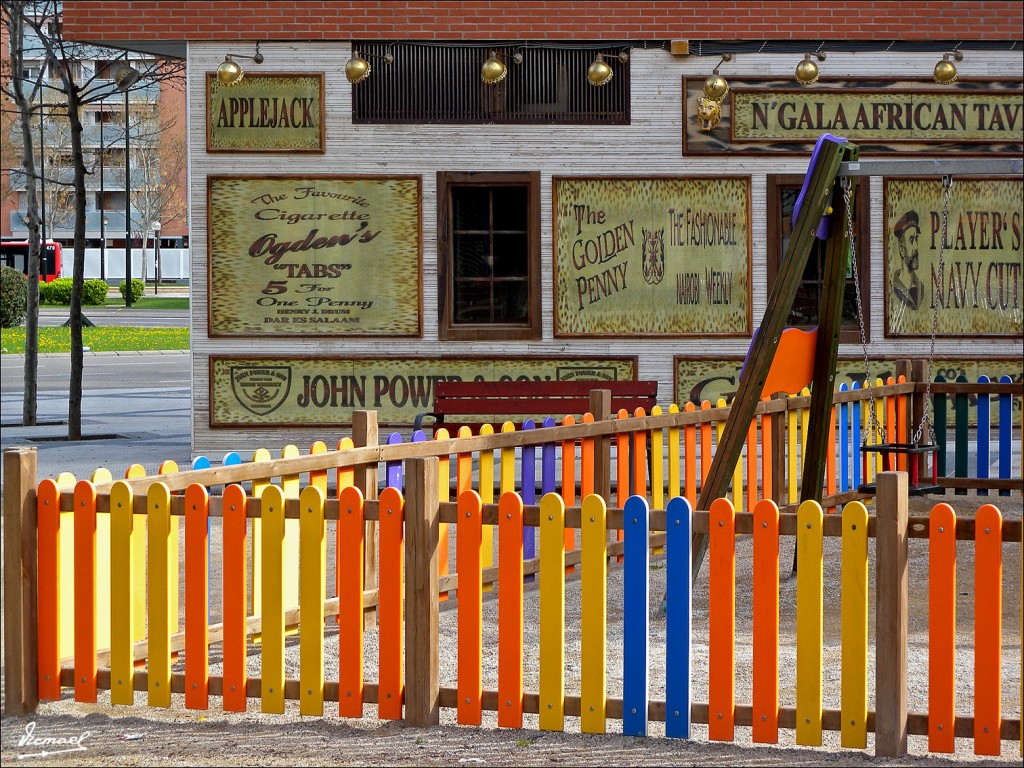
(492, 401)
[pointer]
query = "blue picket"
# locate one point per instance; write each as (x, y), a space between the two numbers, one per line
(855, 438)
(528, 490)
(1005, 434)
(984, 433)
(678, 606)
(636, 589)
(844, 443)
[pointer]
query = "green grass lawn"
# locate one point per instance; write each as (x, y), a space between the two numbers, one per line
(98, 339)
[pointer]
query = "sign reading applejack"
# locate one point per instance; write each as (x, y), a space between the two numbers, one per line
(309, 256)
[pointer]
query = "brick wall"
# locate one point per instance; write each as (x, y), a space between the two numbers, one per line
(550, 19)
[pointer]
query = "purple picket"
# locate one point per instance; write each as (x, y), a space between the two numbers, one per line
(528, 490)
(393, 469)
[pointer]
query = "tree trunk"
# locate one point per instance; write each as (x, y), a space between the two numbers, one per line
(78, 273)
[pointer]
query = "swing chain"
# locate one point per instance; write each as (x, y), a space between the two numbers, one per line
(947, 186)
(873, 427)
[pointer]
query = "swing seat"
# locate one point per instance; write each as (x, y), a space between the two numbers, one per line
(888, 451)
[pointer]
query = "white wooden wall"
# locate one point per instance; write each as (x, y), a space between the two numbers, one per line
(651, 145)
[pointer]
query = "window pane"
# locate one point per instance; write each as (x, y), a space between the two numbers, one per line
(511, 301)
(469, 208)
(511, 256)
(510, 209)
(472, 256)
(472, 302)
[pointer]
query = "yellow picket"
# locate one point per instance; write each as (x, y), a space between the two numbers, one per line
(552, 613)
(854, 618)
(158, 507)
(593, 615)
(657, 468)
(487, 497)
(508, 462)
(139, 560)
(272, 600)
(290, 566)
(169, 468)
(312, 590)
(121, 593)
(103, 575)
(258, 486)
(809, 637)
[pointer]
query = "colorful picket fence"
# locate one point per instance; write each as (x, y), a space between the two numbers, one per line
(113, 547)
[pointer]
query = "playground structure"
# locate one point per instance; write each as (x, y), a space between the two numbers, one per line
(389, 506)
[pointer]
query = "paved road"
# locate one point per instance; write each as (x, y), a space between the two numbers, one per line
(136, 409)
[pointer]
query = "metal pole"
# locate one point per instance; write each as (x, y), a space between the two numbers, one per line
(127, 207)
(42, 190)
(103, 202)
(156, 257)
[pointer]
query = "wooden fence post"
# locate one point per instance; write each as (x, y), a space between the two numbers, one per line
(601, 408)
(422, 530)
(365, 433)
(20, 580)
(892, 597)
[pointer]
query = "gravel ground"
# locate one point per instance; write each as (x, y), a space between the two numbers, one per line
(139, 735)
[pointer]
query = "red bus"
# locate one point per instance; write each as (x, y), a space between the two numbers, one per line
(14, 254)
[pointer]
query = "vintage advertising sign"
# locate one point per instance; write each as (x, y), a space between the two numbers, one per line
(971, 283)
(774, 116)
(266, 113)
(652, 256)
(700, 379)
(301, 391)
(314, 255)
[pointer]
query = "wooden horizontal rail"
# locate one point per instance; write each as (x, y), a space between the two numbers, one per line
(831, 719)
(982, 483)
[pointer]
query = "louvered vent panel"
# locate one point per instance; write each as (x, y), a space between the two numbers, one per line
(441, 84)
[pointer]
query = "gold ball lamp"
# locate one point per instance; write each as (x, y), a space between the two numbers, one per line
(807, 71)
(357, 69)
(229, 73)
(494, 70)
(599, 73)
(945, 71)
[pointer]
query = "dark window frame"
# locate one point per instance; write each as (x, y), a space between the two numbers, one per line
(849, 332)
(448, 330)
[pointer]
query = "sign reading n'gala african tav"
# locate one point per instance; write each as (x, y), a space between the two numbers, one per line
(266, 113)
(307, 256)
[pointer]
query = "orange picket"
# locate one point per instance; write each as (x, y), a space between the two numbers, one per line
(765, 663)
(468, 551)
(640, 457)
(235, 599)
(389, 605)
(752, 464)
(767, 458)
(941, 628)
(569, 485)
(349, 559)
(48, 595)
(197, 599)
(988, 629)
(85, 591)
(621, 473)
(830, 458)
(510, 610)
(901, 426)
(463, 466)
(721, 620)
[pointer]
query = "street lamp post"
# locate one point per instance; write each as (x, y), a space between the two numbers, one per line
(156, 257)
(103, 202)
(124, 80)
